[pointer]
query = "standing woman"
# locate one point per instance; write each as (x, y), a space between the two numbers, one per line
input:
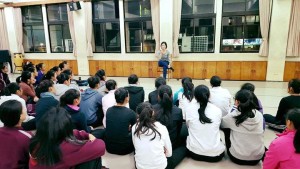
(26, 81)
(164, 59)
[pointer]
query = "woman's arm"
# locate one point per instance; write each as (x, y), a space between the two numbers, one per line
(271, 160)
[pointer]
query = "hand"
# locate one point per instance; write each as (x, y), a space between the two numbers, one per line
(92, 128)
(35, 99)
(91, 137)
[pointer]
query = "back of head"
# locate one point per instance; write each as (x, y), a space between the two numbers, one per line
(11, 88)
(248, 86)
(25, 76)
(141, 106)
(166, 104)
(120, 95)
(101, 74)
(68, 72)
(10, 112)
(110, 84)
(202, 96)
(133, 79)
(49, 75)
(93, 81)
(61, 78)
(28, 67)
(185, 79)
(188, 89)
(295, 85)
(160, 81)
(69, 96)
(61, 66)
(215, 81)
(294, 116)
(56, 68)
(43, 87)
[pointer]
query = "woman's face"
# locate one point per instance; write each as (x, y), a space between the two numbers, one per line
(43, 67)
(32, 79)
(163, 46)
(53, 78)
(5, 69)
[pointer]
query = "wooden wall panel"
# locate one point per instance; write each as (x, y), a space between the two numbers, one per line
(177, 67)
(198, 70)
(209, 69)
(291, 70)
(227, 70)
(222, 70)
(253, 70)
(114, 68)
(148, 69)
(183, 69)
(235, 70)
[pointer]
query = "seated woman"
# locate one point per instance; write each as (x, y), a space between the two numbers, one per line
(65, 147)
(41, 68)
(286, 103)
(50, 75)
(164, 59)
(186, 98)
(203, 121)
(14, 141)
(284, 151)
(26, 81)
(153, 96)
(243, 129)
(101, 75)
(3, 75)
(151, 141)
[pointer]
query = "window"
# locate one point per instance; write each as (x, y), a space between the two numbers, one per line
(240, 26)
(138, 26)
(106, 26)
(33, 29)
(197, 26)
(59, 32)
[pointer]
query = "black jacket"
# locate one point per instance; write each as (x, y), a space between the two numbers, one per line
(78, 119)
(136, 96)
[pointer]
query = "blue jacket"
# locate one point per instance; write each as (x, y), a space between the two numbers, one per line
(78, 119)
(91, 103)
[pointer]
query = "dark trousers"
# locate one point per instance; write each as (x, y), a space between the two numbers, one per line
(198, 157)
(99, 120)
(165, 65)
(93, 164)
(30, 125)
(178, 155)
(273, 123)
(98, 133)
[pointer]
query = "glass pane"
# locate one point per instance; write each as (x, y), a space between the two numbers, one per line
(232, 38)
(252, 5)
(34, 39)
(252, 39)
(203, 6)
(185, 35)
(203, 41)
(107, 37)
(149, 42)
(105, 10)
(187, 7)
(234, 5)
(233, 20)
(67, 38)
(56, 38)
(32, 14)
(57, 12)
(137, 8)
(133, 36)
(27, 39)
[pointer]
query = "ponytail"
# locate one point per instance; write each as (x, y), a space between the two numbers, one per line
(188, 89)
(202, 95)
(294, 116)
(246, 106)
(69, 97)
(18, 79)
(166, 104)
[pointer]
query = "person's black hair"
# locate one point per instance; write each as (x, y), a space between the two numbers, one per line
(160, 81)
(100, 73)
(164, 113)
(25, 76)
(69, 97)
(121, 94)
(43, 87)
(202, 96)
(68, 72)
(93, 81)
(188, 89)
(294, 116)
(141, 107)
(246, 106)
(248, 86)
(110, 84)
(185, 79)
(49, 75)
(62, 65)
(145, 123)
(61, 78)
(28, 67)
(164, 43)
(11, 88)
(39, 66)
(56, 68)
(295, 85)
(10, 112)
(2, 65)
(55, 127)
(133, 79)
(215, 81)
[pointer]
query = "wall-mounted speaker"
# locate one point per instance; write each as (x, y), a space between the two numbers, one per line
(74, 6)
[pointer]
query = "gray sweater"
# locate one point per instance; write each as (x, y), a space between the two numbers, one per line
(247, 139)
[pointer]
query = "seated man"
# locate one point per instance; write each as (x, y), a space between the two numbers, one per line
(153, 96)
(136, 92)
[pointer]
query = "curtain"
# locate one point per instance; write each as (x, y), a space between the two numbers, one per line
(72, 31)
(4, 44)
(155, 22)
(265, 15)
(293, 45)
(89, 28)
(176, 26)
(19, 29)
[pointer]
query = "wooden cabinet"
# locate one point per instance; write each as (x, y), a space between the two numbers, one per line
(95, 65)
(149, 69)
(254, 70)
(183, 69)
(229, 70)
(114, 68)
(291, 70)
(131, 67)
(204, 70)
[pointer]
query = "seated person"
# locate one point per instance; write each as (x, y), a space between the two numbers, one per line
(164, 59)
(136, 92)
(62, 86)
(181, 90)
(3, 75)
(73, 83)
(153, 96)
(41, 68)
(64, 65)
(101, 75)
(14, 141)
(119, 120)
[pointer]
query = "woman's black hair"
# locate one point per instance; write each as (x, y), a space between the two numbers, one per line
(188, 89)
(25, 76)
(164, 113)
(55, 127)
(251, 88)
(141, 107)
(39, 66)
(202, 95)
(133, 79)
(110, 84)
(160, 81)
(61, 78)
(2, 65)
(185, 79)
(246, 106)
(56, 68)
(294, 116)
(68, 72)
(100, 73)
(69, 97)
(49, 75)
(29, 67)
(145, 123)
(11, 88)
(121, 94)
(215, 81)
(43, 87)
(164, 43)
(10, 112)
(93, 81)
(295, 85)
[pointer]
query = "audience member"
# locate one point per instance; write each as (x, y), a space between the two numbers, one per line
(57, 70)
(136, 92)
(153, 96)
(64, 65)
(50, 75)
(41, 68)
(101, 75)
(26, 81)
(62, 86)
(175, 97)
(4, 79)
(187, 97)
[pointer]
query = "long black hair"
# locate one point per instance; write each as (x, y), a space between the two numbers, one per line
(101, 74)
(294, 116)
(49, 75)
(11, 88)
(43, 87)
(25, 76)
(246, 106)
(10, 112)
(166, 104)
(69, 97)
(188, 88)
(55, 127)
(251, 88)
(39, 66)
(202, 95)
(145, 122)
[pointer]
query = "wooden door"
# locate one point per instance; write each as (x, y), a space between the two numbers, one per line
(209, 69)
(291, 70)
(114, 68)
(254, 70)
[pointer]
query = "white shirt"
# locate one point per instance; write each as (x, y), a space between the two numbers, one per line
(150, 154)
(184, 103)
(204, 139)
(221, 98)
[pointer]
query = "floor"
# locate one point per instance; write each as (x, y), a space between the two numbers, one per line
(269, 93)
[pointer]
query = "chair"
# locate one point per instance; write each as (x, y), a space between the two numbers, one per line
(18, 61)
(169, 71)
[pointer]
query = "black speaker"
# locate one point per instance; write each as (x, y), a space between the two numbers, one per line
(74, 6)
